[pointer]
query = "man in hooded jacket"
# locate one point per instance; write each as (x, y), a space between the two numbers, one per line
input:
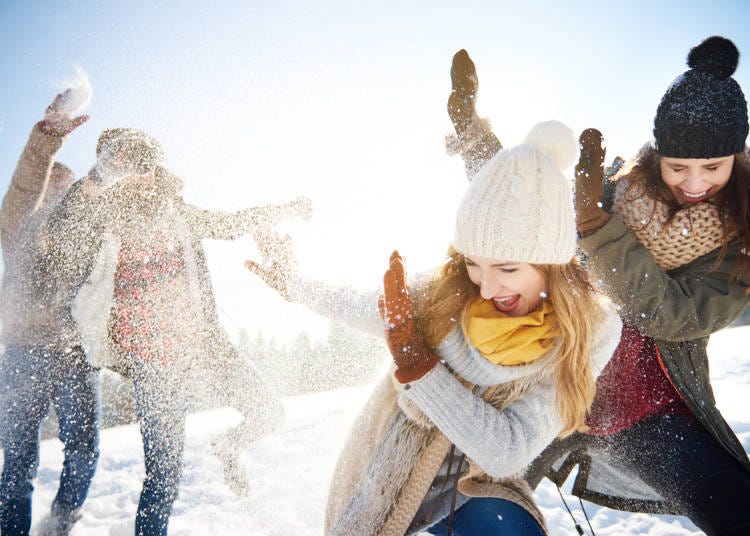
(43, 362)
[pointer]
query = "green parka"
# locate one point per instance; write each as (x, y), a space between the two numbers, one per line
(679, 310)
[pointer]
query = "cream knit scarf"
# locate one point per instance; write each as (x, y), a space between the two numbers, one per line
(693, 231)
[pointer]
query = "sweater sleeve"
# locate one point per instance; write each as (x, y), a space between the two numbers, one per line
(29, 181)
(355, 307)
(219, 225)
(502, 443)
(690, 302)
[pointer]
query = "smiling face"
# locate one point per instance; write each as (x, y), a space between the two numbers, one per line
(692, 180)
(515, 288)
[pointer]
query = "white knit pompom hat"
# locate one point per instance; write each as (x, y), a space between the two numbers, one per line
(519, 206)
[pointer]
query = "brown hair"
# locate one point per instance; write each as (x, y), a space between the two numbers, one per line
(733, 201)
(446, 299)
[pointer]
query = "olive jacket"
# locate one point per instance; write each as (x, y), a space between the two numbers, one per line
(679, 309)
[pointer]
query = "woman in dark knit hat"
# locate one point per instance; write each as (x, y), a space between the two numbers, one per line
(668, 238)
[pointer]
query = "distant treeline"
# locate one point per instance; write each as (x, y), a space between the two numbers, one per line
(346, 358)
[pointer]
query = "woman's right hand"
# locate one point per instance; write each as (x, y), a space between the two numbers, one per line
(279, 263)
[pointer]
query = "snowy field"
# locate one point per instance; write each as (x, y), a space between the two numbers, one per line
(290, 470)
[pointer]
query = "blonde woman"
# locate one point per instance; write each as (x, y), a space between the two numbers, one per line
(492, 358)
(667, 237)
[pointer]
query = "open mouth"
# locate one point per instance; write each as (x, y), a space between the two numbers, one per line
(506, 303)
(695, 198)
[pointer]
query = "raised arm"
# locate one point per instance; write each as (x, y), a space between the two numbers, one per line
(279, 271)
(474, 139)
(690, 302)
(30, 179)
(231, 225)
(503, 442)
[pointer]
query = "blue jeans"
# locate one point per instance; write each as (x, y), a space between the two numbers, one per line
(484, 515)
(161, 404)
(30, 379)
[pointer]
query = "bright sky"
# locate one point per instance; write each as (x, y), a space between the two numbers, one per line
(261, 101)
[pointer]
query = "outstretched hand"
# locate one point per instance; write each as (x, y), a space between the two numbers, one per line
(279, 263)
(56, 123)
(412, 358)
(589, 184)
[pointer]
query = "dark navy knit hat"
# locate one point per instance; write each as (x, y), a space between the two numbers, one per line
(703, 114)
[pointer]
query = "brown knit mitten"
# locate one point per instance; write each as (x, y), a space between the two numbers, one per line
(464, 88)
(412, 358)
(474, 139)
(589, 186)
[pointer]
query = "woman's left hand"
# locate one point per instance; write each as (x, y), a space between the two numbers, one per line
(412, 358)
(589, 187)
(279, 262)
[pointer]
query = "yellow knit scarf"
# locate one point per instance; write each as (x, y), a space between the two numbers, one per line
(507, 340)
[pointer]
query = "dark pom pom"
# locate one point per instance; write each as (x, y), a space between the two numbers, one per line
(716, 55)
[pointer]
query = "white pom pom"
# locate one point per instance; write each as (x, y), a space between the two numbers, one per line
(76, 94)
(555, 140)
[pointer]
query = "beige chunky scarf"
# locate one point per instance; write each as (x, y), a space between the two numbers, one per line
(692, 232)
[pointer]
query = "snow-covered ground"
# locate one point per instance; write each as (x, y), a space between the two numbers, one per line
(290, 469)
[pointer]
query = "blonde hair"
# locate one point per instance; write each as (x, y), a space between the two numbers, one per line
(445, 301)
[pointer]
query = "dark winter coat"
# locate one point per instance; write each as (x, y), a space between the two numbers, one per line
(679, 309)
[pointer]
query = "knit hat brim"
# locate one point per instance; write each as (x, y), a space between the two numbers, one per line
(519, 206)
